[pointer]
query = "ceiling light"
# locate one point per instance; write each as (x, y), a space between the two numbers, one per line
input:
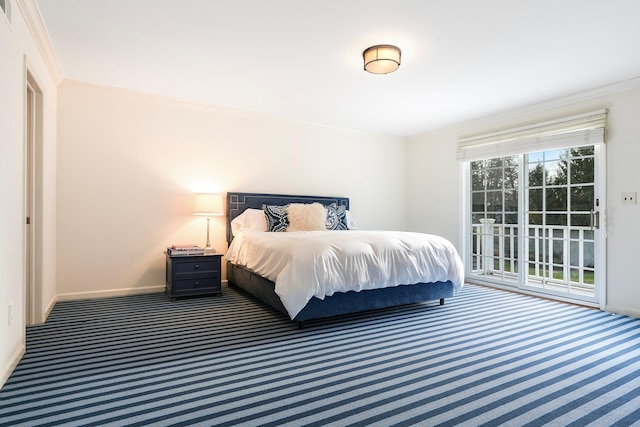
(381, 59)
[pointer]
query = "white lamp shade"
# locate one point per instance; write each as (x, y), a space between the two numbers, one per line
(381, 59)
(208, 204)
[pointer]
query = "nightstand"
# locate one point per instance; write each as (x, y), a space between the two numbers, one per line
(193, 275)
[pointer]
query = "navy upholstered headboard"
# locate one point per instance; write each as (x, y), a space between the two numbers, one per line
(238, 202)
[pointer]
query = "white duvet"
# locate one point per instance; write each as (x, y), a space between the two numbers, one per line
(307, 264)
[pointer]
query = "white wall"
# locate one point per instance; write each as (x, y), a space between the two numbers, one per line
(17, 47)
(433, 183)
(434, 179)
(129, 163)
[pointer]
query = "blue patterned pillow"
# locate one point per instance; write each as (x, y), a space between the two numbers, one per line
(276, 217)
(336, 217)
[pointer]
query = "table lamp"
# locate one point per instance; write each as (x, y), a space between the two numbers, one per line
(208, 204)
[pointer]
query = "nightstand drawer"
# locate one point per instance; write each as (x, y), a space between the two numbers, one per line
(206, 283)
(196, 266)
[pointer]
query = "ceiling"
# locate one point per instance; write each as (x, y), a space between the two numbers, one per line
(302, 59)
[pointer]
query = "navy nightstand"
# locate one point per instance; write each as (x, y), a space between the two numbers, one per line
(193, 275)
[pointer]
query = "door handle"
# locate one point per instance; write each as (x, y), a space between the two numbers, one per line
(594, 221)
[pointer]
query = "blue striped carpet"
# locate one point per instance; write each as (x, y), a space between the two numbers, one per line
(487, 357)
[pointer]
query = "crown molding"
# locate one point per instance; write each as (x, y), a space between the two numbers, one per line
(31, 14)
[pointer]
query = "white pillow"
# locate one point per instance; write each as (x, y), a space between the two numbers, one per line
(250, 219)
(306, 217)
(351, 223)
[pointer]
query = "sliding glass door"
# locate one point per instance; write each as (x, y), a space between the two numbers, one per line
(534, 223)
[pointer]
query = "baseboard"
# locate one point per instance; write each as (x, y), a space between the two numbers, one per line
(47, 311)
(112, 293)
(13, 362)
(109, 293)
(624, 311)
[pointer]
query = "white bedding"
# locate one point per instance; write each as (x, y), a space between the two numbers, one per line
(304, 264)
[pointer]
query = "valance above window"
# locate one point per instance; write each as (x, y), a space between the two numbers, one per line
(574, 131)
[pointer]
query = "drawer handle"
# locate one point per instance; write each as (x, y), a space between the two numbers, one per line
(196, 284)
(197, 266)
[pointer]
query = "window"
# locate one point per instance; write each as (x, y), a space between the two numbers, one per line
(494, 216)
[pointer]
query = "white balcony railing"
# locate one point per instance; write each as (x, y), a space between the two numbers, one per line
(557, 256)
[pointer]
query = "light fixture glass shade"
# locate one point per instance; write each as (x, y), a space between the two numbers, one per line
(381, 59)
(208, 204)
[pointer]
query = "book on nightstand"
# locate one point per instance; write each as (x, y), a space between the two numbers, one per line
(184, 250)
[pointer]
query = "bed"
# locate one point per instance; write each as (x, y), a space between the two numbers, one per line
(241, 275)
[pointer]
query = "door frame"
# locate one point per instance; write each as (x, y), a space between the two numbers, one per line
(600, 193)
(33, 198)
(600, 235)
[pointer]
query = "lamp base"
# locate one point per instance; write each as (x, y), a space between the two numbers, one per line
(210, 250)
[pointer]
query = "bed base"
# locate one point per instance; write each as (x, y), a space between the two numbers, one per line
(340, 302)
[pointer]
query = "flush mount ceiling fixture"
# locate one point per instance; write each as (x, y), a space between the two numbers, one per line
(381, 59)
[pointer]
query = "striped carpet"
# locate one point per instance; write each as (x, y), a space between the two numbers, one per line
(486, 357)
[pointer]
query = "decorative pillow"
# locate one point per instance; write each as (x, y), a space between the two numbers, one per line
(250, 219)
(336, 217)
(306, 217)
(276, 217)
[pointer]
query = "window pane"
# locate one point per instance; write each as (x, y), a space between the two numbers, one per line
(511, 219)
(535, 157)
(510, 179)
(588, 254)
(511, 201)
(554, 154)
(588, 150)
(532, 249)
(494, 163)
(575, 275)
(556, 219)
(542, 246)
(556, 199)
(535, 175)
(558, 253)
(574, 251)
(477, 180)
(477, 165)
(494, 201)
(535, 200)
(582, 198)
(554, 174)
(494, 179)
(477, 202)
(581, 220)
(582, 170)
